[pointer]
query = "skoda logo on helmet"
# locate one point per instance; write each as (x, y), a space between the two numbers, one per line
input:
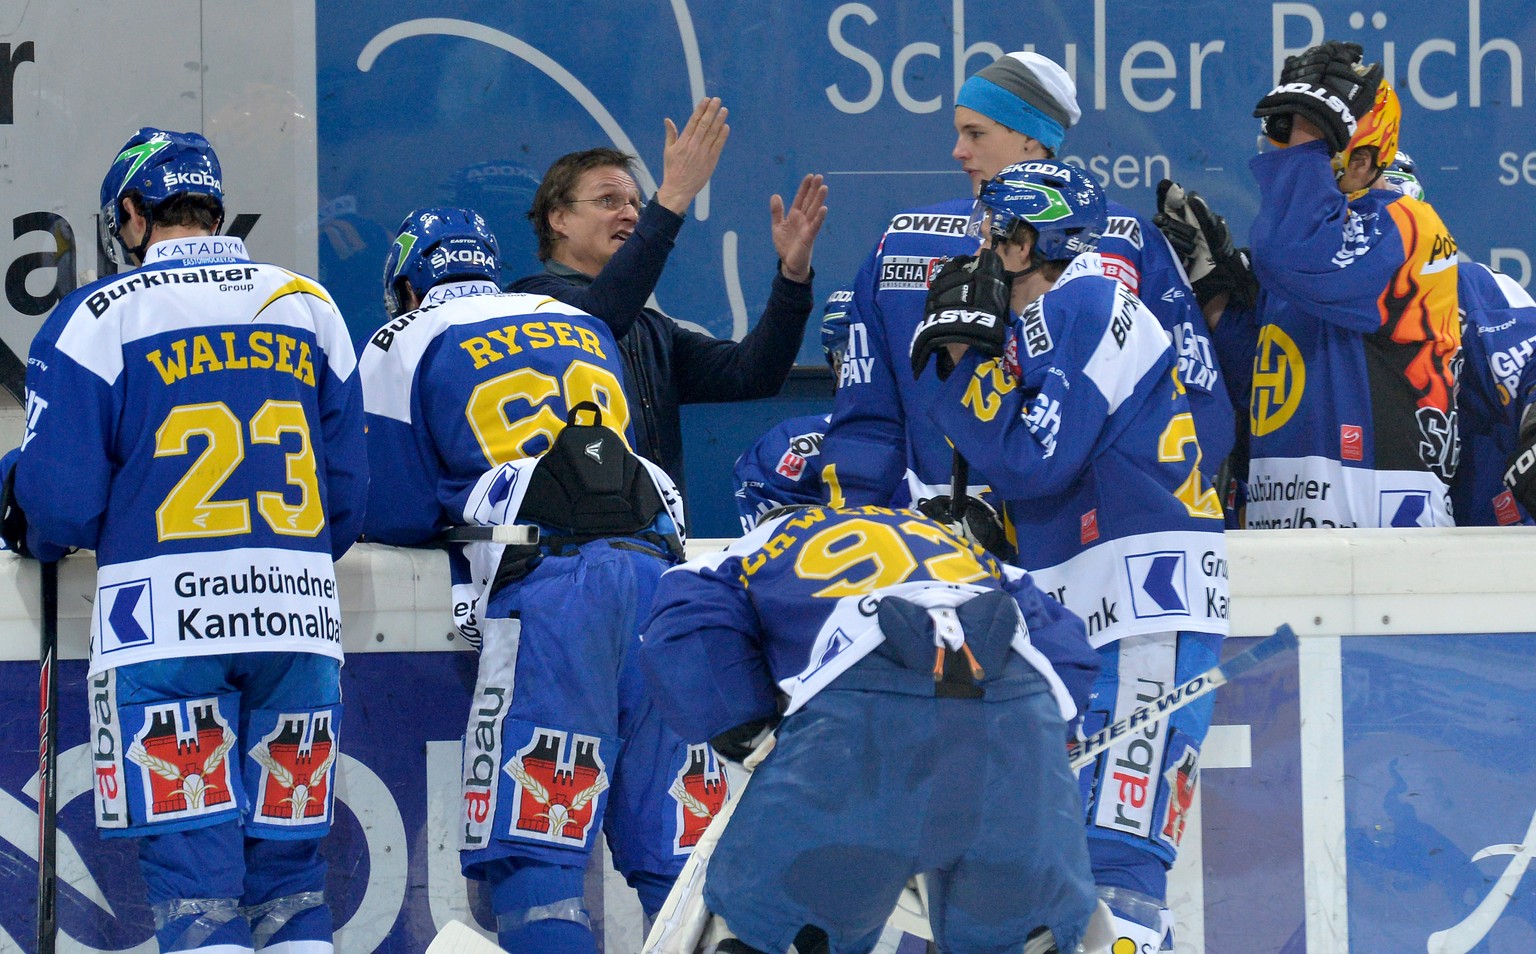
(443, 257)
(174, 180)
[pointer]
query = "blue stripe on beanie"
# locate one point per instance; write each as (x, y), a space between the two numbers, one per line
(999, 105)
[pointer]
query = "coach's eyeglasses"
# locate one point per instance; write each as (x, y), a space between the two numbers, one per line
(611, 203)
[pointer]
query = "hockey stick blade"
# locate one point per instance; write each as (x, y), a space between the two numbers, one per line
(511, 534)
(1081, 753)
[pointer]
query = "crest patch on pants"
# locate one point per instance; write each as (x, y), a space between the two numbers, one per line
(1181, 772)
(700, 791)
(559, 779)
(293, 766)
(182, 750)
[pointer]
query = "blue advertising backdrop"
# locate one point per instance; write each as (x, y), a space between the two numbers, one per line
(1438, 783)
(472, 104)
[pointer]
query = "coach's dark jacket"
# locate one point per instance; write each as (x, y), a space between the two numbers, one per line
(666, 365)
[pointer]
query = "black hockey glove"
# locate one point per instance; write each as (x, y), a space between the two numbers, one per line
(967, 304)
(738, 743)
(1326, 85)
(1204, 246)
(976, 522)
(1520, 472)
(13, 522)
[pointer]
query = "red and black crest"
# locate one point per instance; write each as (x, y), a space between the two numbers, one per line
(183, 754)
(559, 777)
(296, 759)
(700, 791)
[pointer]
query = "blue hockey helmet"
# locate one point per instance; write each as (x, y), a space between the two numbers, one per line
(1063, 205)
(154, 165)
(437, 245)
(834, 327)
(1402, 175)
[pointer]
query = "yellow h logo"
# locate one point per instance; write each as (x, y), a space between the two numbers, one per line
(1279, 380)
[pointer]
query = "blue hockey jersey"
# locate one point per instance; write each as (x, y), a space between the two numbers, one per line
(199, 424)
(1352, 411)
(880, 436)
(461, 385)
(781, 467)
(791, 606)
(467, 382)
(1496, 383)
(1085, 433)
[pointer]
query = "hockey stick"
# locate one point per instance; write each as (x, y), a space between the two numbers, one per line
(511, 534)
(1081, 753)
(47, 756)
(680, 924)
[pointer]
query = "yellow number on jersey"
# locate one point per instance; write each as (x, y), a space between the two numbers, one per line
(504, 439)
(836, 551)
(984, 403)
(189, 510)
(305, 518)
(1172, 449)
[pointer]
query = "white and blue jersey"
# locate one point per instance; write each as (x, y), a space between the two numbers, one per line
(781, 467)
(1497, 383)
(1085, 434)
(881, 437)
(198, 422)
(788, 608)
(470, 381)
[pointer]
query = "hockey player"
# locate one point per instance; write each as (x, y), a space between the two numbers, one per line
(1018, 108)
(926, 690)
(198, 422)
(1496, 385)
(561, 742)
(784, 465)
(1495, 380)
(1352, 411)
(1495, 484)
(1061, 386)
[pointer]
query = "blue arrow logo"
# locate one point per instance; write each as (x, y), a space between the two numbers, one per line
(1159, 582)
(121, 617)
(1410, 511)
